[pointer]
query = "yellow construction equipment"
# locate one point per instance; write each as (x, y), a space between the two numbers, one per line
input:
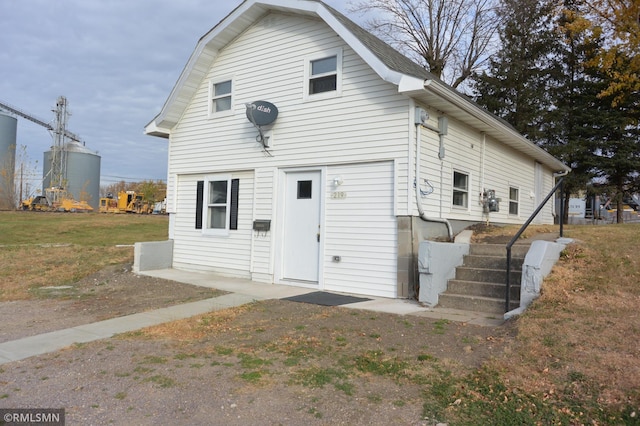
(55, 200)
(127, 202)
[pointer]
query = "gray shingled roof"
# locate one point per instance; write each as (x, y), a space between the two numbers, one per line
(387, 54)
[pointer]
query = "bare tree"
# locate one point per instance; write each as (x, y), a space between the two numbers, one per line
(449, 37)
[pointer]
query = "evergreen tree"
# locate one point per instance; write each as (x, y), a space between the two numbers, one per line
(515, 86)
(570, 126)
(618, 141)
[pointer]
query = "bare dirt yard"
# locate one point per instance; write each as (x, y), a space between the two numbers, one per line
(112, 292)
(272, 362)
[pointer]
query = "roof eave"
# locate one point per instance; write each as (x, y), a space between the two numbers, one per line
(472, 114)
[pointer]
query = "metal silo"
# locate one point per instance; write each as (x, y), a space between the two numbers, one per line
(82, 172)
(8, 131)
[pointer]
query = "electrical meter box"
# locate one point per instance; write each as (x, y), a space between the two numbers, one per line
(490, 202)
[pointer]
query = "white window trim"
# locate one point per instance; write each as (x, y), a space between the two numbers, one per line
(453, 189)
(212, 83)
(517, 201)
(307, 75)
(205, 206)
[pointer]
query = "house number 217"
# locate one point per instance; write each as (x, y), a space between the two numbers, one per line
(338, 195)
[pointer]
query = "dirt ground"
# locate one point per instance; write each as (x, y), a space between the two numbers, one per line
(269, 363)
(112, 292)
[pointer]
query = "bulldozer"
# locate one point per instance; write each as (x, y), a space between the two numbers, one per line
(127, 202)
(55, 200)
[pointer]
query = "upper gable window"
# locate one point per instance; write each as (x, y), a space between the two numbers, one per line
(220, 95)
(323, 75)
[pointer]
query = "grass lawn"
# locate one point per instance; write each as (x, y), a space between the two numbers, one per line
(43, 249)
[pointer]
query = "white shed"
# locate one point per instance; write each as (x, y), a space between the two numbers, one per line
(300, 152)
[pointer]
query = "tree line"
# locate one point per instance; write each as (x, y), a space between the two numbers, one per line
(564, 73)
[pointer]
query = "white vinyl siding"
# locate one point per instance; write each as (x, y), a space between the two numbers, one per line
(350, 128)
(195, 251)
(489, 164)
(262, 247)
(361, 228)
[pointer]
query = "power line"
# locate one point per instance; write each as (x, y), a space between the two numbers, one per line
(127, 179)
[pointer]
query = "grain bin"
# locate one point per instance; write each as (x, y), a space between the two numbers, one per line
(8, 131)
(82, 172)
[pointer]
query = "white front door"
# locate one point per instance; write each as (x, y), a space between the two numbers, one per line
(301, 242)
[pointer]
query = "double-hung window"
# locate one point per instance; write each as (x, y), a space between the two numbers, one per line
(221, 96)
(513, 200)
(460, 189)
(323, 75)
(217, 205)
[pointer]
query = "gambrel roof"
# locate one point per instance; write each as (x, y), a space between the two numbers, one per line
(393, 67)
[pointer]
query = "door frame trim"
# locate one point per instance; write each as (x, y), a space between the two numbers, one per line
(279, 231)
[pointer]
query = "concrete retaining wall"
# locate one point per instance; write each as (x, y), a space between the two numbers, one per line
(437, 264)
(540, 258)
(152, 255)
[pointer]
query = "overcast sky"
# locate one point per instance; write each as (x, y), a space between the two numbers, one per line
(115, 61)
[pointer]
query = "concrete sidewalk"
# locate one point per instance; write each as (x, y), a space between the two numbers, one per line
(241, 292)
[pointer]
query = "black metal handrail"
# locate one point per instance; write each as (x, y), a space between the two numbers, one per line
(560, 185)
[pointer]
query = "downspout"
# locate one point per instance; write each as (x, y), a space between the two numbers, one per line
(419, 123)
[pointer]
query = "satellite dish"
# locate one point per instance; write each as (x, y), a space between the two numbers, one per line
(261, 113)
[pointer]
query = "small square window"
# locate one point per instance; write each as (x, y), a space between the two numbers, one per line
(460, 189)
(221, 96)
(513, 200)
(322, 75)
(304, 189)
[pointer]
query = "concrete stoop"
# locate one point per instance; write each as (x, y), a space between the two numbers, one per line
(479, 283)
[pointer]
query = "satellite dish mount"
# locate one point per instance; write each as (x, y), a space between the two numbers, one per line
(261, 113)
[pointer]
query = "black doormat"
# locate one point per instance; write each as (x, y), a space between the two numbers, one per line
(325, 299)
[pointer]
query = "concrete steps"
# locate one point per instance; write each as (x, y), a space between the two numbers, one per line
(480, 283)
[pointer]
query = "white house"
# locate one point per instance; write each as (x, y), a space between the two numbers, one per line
(298, 155)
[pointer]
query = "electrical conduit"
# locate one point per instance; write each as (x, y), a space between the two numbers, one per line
(418, 195)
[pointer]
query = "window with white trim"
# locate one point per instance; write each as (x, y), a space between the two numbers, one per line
(217, 205)
(323, 75)
(514, 196)
(221, 96)
(460, 189)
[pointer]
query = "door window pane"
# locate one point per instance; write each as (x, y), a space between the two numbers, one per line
(304, 189)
